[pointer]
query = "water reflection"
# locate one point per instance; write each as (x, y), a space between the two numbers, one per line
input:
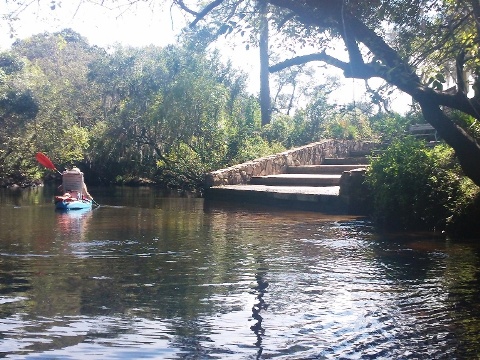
(73, 222)
(37, 195)
(176, 279)
(260, 305)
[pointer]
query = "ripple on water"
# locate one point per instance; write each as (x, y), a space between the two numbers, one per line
(86, 337)
(235, 287)
(101, 248)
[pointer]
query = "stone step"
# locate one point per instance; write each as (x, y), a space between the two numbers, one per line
(360, 153)
(322, 169)
(361, 160)
(297, 180)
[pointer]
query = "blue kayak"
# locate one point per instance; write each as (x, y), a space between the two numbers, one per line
(73, 198)
(62, 203)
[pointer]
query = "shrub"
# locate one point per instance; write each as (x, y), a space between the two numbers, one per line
(255, 147)
(415, 187)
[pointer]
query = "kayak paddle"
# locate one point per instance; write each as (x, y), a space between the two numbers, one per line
(45, 161)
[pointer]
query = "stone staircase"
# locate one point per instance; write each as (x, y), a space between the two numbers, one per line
(327, 174)
(302, 187)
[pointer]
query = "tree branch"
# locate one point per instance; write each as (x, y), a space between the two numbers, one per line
(356, 58)
(458, 101)
(303, 59)
(459, 64)
(363, 71)
(388, 64)
(185, 8)
(205, 11)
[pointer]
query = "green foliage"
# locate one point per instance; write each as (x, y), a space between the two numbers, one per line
(317, 115)
(352, 125)
(306, 125)
(415, 187)
(121, 113)
(255, 147)
(20, 103)
(174, 108)
(389, 126)
(321, 121)
(75, 141)
(467, 122)
(10, 63)
(280, 129)
(183, 168)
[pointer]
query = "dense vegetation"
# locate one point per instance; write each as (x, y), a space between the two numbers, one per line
(419, 187)
(162, 115)
(428, 49)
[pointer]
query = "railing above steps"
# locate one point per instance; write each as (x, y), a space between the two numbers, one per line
(311, 154)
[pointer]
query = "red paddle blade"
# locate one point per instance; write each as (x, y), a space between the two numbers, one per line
(45, 161)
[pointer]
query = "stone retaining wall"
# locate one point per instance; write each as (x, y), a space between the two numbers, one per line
(354, 193)
(311, 154)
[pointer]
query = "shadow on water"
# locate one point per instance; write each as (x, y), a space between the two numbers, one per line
(409, 256)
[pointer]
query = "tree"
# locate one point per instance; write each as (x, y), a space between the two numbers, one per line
(265, 101)
(57, 65)
(168, 112)
(400, 42)
(46, 103)
(18, 109)
(288, 83)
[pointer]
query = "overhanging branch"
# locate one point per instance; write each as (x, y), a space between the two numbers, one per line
(300, 60)
(185, 8)
(285, 19)
(363, 71)
(205, 11)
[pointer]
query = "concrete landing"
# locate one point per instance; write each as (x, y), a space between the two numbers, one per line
(324, 199)
(307, 190)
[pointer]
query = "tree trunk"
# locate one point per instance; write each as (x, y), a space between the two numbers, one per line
(265, 103)
(466, 148)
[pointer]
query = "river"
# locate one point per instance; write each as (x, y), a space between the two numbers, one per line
(152, 276)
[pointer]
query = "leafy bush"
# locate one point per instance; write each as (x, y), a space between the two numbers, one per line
(389, 126)
(280, 129)
(255, 147)
(184, 168)
(467, 122)
(415, 187)
(351, 125)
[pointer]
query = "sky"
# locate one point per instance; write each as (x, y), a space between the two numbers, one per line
(141, 26)
(145, 25)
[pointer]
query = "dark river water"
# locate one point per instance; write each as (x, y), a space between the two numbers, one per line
(146, 276)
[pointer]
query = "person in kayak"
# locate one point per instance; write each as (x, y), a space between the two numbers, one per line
(72, 181)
